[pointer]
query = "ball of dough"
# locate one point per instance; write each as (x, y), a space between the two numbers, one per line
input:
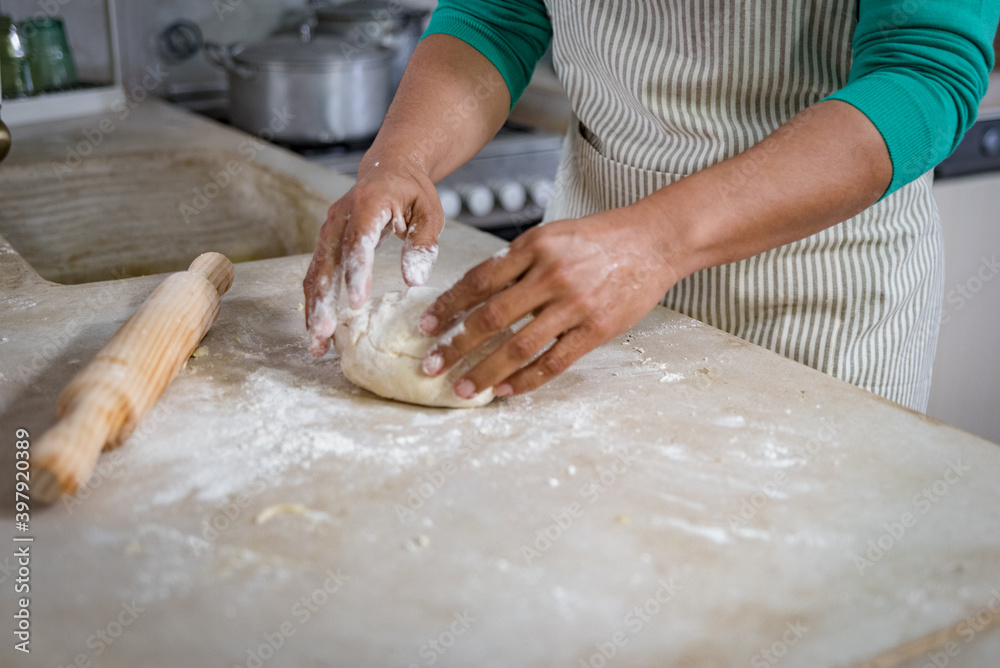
(381, 349)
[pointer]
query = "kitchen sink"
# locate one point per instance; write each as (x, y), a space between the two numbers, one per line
(132, 214)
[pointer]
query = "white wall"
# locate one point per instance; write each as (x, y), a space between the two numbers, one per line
(965, 391)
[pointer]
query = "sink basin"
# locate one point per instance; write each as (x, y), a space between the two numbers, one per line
(132, 214)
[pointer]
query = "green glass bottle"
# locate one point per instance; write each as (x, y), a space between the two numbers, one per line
(49, 58)
(15, 75)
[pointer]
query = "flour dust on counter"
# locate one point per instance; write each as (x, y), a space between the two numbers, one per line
(734, 499)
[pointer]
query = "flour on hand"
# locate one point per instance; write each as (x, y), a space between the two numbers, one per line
(381, 349)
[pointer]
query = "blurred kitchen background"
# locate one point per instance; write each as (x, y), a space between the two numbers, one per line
(505, 188)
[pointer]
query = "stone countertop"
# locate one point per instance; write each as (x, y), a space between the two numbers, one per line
(678, 498)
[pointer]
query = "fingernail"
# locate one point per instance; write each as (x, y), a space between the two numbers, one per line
(503, 390)
(318, 346)
(429, 323)
(433, 363)
(417, 264)
(465, 389)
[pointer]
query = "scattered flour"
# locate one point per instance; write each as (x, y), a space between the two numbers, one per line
(733, 421)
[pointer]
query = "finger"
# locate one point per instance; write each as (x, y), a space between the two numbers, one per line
(515, 353)
(479, 284)
(386, 233)
(420, 247)
(399, 226)
(417, 263)
(324, 314)
(361, 236)
(321, 284)
(570, 347)
(483, 324)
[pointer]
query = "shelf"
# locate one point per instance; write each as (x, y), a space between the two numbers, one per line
(58, 106)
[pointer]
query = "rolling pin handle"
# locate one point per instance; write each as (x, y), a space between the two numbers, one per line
(66, 454)
(216, 269)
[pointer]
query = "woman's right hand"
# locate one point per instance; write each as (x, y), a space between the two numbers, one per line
(389, 196)
(450, 103)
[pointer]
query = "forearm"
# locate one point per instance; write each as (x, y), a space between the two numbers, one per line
(825, 165)
(449, 105)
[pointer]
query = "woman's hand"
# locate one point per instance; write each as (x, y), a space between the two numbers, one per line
(585, 281)
(450, 103)
(387, 198)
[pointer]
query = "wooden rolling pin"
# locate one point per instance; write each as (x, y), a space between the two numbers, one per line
(106, 401)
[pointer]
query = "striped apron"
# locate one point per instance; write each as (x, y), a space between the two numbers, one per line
(665, 88)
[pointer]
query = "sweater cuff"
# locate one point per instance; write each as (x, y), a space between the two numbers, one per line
(909, 121)
(486, 42)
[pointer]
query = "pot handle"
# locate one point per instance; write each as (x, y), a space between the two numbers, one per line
(390, 40)
(222, 55)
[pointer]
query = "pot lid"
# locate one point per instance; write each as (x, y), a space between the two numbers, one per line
(320, 50)
(371, 10)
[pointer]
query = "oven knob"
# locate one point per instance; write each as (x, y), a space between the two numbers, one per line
(990, 144)
(451, 202)
(478, 199)
(511, 195)
(540, 191)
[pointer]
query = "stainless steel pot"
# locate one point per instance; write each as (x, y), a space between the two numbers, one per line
(305, 91)
(387, 23)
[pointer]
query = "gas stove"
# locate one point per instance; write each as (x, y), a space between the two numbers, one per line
(503, 189)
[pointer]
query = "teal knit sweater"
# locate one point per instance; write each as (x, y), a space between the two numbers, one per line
(920, 66)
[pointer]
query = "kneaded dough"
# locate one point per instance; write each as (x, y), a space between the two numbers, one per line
(381, 349)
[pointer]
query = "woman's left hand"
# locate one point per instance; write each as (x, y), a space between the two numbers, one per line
(585, 281)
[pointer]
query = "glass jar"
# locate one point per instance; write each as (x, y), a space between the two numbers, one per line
(49, 57)
(15, 75)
